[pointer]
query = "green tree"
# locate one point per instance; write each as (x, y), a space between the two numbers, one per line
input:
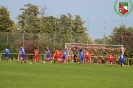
(123, 35)
(53, 31)
(6, 24)
(29, 20)
(99, 41)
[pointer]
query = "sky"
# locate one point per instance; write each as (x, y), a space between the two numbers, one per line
(99, 15)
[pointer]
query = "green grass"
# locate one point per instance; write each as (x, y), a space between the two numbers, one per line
(69, 75)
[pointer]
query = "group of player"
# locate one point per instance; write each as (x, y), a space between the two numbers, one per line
(49, 57)
(111, 58)
(83, 56)
(58, 56)
(21, 53)
(61, 56)
(86, 58)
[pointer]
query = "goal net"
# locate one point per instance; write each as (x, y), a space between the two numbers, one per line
(98, 52)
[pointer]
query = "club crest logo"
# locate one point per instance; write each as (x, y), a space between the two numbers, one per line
(123, 8)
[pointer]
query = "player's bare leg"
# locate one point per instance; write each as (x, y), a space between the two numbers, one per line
(37, 60)
(110, 63)
(32, 60)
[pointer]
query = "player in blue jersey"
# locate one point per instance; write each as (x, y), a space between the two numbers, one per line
(22, 53)
(121, 59)
(81, 55)
(6, 51)
(47, 55)
(64, 54)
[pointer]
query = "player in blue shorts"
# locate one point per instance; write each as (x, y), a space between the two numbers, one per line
(21, 53)
(47, 55)
(121, 59)
(6, 51)
(81, 55)
(64, 54)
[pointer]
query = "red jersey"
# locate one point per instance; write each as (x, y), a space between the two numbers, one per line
(56, 52)
(35, 53)
(60, 53)
(87, 53)
(110, 57)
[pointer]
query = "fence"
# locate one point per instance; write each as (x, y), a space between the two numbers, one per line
(27, 40)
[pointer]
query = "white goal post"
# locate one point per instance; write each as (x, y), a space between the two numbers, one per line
(96, 50)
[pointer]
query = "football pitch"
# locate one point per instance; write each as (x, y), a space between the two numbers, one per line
(68, 75)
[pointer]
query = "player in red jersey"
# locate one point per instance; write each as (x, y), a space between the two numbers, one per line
(87, 56)
(35, 56)
(57, 56)
(110, 58)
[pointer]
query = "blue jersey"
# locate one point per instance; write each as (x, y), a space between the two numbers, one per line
(47, 51)
(64, 53)
(81, 54)
(121, 56)
(22, 51)
(6, 51)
